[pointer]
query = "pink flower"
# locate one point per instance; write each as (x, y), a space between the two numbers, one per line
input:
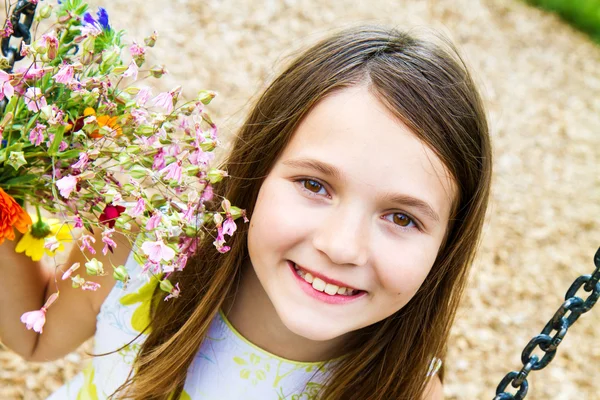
(86, 243)
(108, 241)
(181, 262)
(174, 293)
(143, 96)
(159, 160)
(36, 136)
(78, 221)
(32, 72)
(158, 251)
(207, 193)
(200, 157)
(132, 71)
(65, 74)
(7, 30)
(219, 242)
(34, 99)
(140, 116)
(154, 220)
(66, 185)
(229, 227)
(68, 272)
(139, 208)
(136, 50)
(35, 319)
(63, 146)
(50, 42)
(83, 160)
(164, 100)
(190, 212)
(173, 171)
(6, 88)
(89, 285)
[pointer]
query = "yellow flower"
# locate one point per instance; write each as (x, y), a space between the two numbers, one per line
(34, 246)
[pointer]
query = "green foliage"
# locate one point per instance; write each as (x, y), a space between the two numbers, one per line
(582, 14)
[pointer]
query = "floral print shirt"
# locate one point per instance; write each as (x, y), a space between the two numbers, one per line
(227, 366)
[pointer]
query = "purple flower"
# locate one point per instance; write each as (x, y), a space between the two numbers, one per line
(101, 22)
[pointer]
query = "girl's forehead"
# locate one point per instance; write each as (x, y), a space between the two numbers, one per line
(354, 132)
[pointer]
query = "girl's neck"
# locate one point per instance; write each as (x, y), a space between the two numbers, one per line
(251, 312)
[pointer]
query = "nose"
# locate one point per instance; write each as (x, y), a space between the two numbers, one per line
(344, 236)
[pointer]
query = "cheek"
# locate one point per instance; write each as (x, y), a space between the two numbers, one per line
(404, 273)
(276, 221)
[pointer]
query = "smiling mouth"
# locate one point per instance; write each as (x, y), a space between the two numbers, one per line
(325, 287)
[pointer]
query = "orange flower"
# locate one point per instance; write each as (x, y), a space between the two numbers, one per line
(103, 120)
(12, 216)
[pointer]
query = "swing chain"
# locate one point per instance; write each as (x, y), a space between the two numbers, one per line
(15, 28)
(560, 322)
(20, 29)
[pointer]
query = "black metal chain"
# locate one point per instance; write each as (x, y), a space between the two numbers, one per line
(560, 322)
(21, 29)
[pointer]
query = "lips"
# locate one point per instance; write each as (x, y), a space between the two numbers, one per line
(326, 278)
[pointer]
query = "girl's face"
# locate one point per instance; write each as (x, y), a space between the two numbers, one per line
(356, 200)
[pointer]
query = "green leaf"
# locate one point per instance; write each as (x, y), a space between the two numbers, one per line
(21, 179)
(58, 137)
(69, 154)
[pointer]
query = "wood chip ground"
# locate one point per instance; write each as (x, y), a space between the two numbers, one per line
(540, 79)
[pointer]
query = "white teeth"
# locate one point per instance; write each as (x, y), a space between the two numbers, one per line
(331, 289)
(318, 284)
(322, 286)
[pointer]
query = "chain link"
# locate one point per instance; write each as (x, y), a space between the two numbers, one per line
(24, 9)
(21, 29)
(574, 306)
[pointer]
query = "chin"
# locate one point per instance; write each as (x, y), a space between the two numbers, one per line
(311, 328)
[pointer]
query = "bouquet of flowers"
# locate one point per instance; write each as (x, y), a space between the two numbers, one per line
(84, 141)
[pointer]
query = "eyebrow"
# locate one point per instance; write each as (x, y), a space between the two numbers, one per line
(336, 173)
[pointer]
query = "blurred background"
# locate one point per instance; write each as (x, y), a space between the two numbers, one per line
(537, 63)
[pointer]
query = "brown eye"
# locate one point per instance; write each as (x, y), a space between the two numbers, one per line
(402, 219)
(312, 186)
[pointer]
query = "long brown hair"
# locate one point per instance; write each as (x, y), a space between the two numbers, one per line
(427, 86)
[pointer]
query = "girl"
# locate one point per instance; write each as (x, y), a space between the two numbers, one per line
(365, 169)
